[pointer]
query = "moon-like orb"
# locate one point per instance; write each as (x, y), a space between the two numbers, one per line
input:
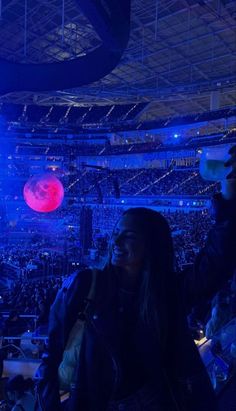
(43, 193)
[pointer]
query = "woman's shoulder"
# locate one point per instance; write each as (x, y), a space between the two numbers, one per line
(81, 279)
(77, 276)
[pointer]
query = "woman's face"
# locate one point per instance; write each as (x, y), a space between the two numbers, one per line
(128, 245)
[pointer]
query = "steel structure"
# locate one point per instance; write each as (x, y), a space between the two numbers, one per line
(180, 57)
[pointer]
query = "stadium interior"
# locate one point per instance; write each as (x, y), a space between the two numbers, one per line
(132, 138)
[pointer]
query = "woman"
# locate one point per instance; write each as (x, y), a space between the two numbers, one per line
(136, 352)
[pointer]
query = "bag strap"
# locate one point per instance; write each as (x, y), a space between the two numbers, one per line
(91, 293)
(93, 285)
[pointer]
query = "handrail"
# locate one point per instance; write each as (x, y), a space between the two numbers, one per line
(24, 337)
(22, 315)
(14, 346)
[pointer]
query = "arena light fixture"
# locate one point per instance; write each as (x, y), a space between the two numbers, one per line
(111, 21)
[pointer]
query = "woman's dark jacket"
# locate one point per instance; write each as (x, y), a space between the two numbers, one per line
(176, 367)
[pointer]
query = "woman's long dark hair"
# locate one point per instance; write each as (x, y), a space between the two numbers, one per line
(158, 274)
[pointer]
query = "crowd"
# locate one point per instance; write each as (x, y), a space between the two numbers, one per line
(142, 182)
(31, 257)
(28, 296)
(102, 147)
(101, 115)
(19, 391)
(189, 229)
(36, 297)
(18, 394)
(29, 302)
(24, 312)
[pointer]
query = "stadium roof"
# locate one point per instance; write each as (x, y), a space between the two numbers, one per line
(179, 52)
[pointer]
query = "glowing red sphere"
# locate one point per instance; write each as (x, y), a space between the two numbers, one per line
(43, 193)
